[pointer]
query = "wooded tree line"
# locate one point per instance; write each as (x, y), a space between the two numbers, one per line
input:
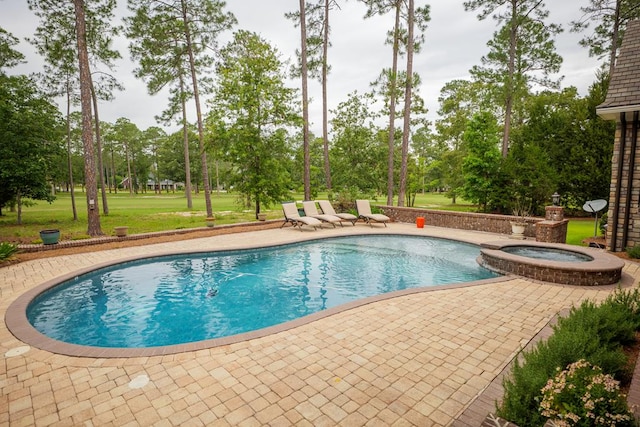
(508, 135)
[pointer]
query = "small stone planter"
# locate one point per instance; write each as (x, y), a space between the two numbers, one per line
(50, 237)
(210, 221)
(121, 231)
(517, 230)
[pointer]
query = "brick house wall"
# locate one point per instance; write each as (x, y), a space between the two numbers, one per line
(622, 104)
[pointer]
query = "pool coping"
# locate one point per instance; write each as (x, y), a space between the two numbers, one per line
(18, 324)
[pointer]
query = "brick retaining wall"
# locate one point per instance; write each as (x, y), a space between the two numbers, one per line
(459, 220)
(38, 247)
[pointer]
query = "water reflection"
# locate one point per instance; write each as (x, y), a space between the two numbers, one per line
(169, 300)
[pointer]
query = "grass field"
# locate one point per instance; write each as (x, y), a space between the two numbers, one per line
(580, 229)
(150, 212)
(141, 213)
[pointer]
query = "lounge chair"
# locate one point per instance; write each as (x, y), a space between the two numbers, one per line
(292, 216)
(364, 211)
(327, 208)
(310, 210)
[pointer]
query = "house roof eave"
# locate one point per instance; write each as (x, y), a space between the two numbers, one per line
(613, 113)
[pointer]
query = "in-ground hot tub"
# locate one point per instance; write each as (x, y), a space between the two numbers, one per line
(557, 263)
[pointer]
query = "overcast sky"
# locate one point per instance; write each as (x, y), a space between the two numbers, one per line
(455, 41)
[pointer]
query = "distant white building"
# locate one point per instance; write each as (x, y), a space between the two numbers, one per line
(164, 185)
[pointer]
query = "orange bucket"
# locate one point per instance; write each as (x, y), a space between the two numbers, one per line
(420, 222)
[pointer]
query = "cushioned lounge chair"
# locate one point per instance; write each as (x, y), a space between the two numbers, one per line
(364, 212)
(310, 210)
(292, 216)
(327, 208)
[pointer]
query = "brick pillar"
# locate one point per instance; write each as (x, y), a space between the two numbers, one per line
(554, 213)
(554, 227)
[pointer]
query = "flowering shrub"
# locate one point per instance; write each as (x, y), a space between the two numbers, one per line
(591, 332)
(582, 395)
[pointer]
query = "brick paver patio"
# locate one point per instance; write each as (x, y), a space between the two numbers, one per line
(419, 359)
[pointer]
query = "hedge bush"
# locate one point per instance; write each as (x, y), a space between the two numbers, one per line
(633, 252)
(595, 333)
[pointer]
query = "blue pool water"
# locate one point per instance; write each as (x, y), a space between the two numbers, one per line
(187, 298)
(549, 254)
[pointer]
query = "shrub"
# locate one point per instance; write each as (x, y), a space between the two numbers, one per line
(522, 389)
(582, 395)
(589, 332)
(602, 224)
(7, 250)
(629, 299)
(611, 322)
(633, 252)
(344, 199)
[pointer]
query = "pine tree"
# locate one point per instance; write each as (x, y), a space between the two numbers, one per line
(522, 47)
(172, 40)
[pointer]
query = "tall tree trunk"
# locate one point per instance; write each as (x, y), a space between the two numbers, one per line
(113, 171)
(305, 102)
(157, 188)
(129, 178)
(407, 107)
(509, 87)
(258, 194)
(185, 139)
(107, 174)
(217, 166)
(93, 212)
(136, 184)
(19, 205)
(196, 97)
(69, 157)
(325, 115)
(103, 191)
(392, 104)
(614, 38)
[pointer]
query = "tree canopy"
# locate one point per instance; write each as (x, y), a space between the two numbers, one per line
(551, 140)
(30, 131)
(251, 110)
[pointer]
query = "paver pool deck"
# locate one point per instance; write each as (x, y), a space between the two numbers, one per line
(419, 359)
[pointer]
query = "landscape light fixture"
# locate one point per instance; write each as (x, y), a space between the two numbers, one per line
(555, 198)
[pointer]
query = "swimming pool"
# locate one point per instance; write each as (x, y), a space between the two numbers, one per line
(189, 298)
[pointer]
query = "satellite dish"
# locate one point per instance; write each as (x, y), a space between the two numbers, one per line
(594, 206)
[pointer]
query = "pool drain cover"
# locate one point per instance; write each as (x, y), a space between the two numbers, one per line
(139, 381)
(18, 351)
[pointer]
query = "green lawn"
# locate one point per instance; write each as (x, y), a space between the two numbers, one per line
(141, 213)
(580, 229)
(440, 201)
(150, 212)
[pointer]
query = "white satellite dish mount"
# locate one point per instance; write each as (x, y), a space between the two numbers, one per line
(595, 206)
